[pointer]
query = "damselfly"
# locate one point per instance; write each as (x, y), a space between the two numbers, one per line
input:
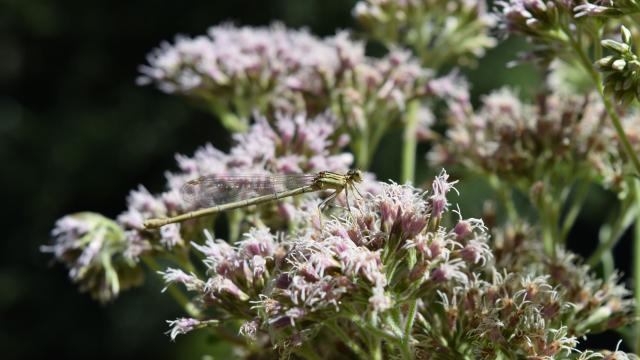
(215, 194)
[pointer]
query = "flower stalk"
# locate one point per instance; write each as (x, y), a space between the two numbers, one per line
(636, 263)
(610, 108)
(410, 142)
(175, 293)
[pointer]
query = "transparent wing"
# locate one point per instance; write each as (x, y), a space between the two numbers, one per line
(212, 190)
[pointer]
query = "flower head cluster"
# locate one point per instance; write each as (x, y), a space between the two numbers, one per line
(528, 304)
(543, 23)
(439, 31)
(271, 67)
(595, 304)
(367, 269)
(238, 70)
(607, 8)
(528, 17)
(561, 136)
(388, 249)
(288, 144)
(622, 69)
(94, 249)
(253, 62)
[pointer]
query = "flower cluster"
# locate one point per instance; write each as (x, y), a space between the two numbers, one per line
(607, 8)
(235, 71)
(595, 304)
(233, 68)
(527, 304)
(391, 262)
(94, 249)
(439, 32)
(552, 26)
(533, 18)
(622, 69)
(288, 144)
(387, 250)
(559, 137)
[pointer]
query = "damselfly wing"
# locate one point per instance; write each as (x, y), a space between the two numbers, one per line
(211, 190)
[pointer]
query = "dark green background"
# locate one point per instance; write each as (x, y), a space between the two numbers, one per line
(77, 134)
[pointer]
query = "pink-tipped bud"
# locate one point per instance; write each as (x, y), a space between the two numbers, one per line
(462, 229)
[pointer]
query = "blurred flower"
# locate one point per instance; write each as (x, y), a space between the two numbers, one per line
(560, 137)
(548, 24)
(528, 17)
(234, 69)
(237, 70)
(186, 325)
(589, 303)
(621, 70)
(92, 247)
(569, 78)
(607, 8)
(438, 31)
(182, 326)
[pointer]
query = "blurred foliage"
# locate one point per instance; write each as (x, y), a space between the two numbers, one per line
(77, 134)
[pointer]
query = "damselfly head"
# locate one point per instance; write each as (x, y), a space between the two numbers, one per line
(355, 175)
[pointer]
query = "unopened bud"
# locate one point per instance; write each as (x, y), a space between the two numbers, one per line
(626, 35)
(618, 65)
(615, 46)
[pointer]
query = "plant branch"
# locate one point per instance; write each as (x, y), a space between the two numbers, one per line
(408, 326)
(410, 143)
(177, 295)
(636, 258)
(617, 123)
(624, 219)
(347, 340)
(574, 211)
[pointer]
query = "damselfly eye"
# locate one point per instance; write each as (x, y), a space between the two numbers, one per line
(356, 175)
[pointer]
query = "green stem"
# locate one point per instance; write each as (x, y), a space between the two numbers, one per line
(235, 222)
(620, 130)
(382, 125)
(408, 326)
(410, 143)
(307, 352)
(636, 262)
(617, 124)
(574, 211)
(608, 264)
(183, 260)
(177, 295)
(393, 322)
(361, 151)
(225, 335)
(620, 224)
(347, 340)
(230, 121)
(607, 257)
(375, 341)
(504, 195)
(549, 216)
